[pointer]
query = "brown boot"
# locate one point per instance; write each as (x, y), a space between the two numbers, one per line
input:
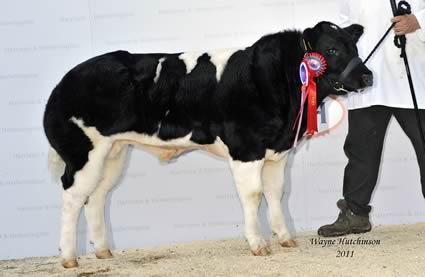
(346, 223)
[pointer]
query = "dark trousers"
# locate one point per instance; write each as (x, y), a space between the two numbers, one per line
(363, 148)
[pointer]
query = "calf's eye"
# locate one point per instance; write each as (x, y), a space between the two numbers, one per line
(332, 51)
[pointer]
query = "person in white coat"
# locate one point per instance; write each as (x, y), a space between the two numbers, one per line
(370, 112)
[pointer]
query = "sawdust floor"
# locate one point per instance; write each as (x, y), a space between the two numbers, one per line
(400, 252)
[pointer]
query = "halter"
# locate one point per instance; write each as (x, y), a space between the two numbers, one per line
(339, 84)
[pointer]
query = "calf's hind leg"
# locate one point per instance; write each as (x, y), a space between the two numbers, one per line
(95, 208)
(74, 197)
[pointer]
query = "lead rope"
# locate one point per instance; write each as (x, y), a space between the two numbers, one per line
(379, 43)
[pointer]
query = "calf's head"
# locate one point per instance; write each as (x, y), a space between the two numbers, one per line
(345, 72)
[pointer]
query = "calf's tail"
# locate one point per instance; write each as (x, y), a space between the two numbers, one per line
(56, 165)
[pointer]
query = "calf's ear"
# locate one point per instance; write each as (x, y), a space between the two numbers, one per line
(309, 39)
(355, 30)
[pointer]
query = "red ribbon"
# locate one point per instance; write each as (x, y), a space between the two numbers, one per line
(311, 107)
(313, 65)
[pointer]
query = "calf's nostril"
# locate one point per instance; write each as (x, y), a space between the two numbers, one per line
(367, 79)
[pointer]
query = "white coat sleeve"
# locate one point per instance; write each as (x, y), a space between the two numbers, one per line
(344, 14)
(420, 15)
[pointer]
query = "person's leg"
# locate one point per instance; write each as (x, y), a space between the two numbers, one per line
(363, 148)
(408, 122)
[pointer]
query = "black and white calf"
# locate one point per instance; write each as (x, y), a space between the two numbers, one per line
(239, 104)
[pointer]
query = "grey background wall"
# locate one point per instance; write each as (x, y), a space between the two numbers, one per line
(155, 203)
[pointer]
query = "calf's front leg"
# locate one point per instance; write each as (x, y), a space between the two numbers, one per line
(247, 177)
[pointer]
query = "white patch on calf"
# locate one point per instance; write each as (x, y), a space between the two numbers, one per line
(91, 132)
(159, 128)
(158, 69)
(219, 58)
(218, 148)
(136, 138)
(271, 155)
(190, 59)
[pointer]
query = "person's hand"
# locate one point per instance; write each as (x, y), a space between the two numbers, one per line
(405, 24)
